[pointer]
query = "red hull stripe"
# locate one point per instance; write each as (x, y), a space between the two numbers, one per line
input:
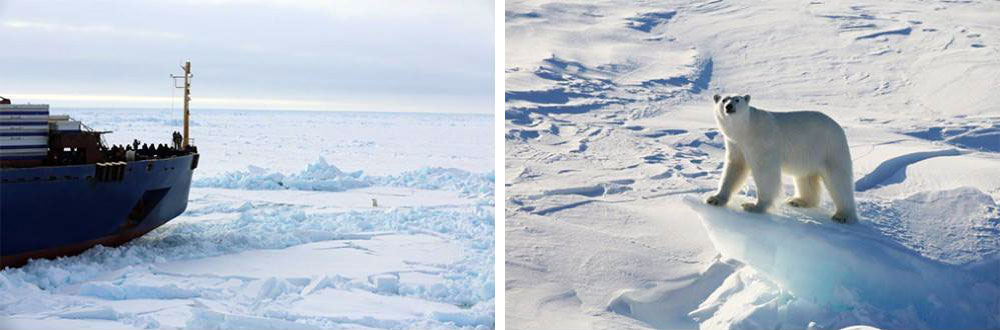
(72, 249)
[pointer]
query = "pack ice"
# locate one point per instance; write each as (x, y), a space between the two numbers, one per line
(278, 237)
(611, 147)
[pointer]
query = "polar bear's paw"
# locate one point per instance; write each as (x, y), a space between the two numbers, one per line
(840, 217)
(798, 202)
(715, 200)
(753, 208)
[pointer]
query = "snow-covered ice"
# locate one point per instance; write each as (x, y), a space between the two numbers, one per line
(281, 232)
(611, 149)
(852, 271)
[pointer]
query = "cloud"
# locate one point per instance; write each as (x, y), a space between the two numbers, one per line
(94, 29)
(384, 9)
(424, 55)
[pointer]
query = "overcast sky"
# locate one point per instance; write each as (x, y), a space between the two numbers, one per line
(364, 55)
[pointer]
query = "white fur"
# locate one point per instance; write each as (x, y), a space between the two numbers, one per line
(807, 145)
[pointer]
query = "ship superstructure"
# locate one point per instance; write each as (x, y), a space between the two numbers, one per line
(63, 190)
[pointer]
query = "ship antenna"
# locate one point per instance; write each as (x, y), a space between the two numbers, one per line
(187, 97)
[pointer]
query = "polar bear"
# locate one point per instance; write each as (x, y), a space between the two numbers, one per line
(807, 145)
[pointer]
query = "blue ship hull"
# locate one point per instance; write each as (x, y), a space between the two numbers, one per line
(47, 212)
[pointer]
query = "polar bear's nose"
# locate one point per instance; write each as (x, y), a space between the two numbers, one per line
(729, 108)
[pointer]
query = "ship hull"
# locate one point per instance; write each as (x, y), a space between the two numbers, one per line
(47, 212)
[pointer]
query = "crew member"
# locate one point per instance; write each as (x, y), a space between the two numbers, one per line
(177, 140)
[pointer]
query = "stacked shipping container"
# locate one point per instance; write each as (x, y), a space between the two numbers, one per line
(24, 131)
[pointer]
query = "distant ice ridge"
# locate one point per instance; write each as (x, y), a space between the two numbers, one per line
(322, 176)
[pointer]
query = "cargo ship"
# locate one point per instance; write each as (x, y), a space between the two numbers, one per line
(63, 190)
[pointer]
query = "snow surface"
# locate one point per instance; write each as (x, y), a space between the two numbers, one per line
(611, 150)
(278, 237)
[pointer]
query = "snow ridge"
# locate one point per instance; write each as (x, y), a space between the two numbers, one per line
(893, 170)
(322, 176)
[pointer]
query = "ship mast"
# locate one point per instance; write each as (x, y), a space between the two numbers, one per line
(187, 98)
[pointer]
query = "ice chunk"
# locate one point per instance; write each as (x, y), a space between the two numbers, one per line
(324, 282)
(272, 288)
(464, 319)
(387, 283)
(111, 291)
(852, 267)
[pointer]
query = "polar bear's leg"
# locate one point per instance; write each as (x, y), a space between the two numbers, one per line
(837, 180)
(733, 175)
(766, 171)
(806, 191)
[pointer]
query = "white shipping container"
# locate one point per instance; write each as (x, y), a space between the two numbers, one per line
(4, 107)
(24, 140)
(24, 130)
(32, 128)
(6, 118)
(23, 118)
(24, 152)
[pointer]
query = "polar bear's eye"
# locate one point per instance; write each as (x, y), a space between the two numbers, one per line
(736, 100)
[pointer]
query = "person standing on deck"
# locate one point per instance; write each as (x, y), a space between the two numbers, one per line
(177, 140)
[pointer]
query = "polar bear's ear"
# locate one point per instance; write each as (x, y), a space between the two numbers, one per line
(747, 98)
(717, 97)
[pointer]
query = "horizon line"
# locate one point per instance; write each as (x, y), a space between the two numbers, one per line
(146, 108)
(231, 103)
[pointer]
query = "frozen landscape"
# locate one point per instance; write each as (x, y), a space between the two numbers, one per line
(281, 232)
(612, 148)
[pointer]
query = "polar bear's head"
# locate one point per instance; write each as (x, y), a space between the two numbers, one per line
(732, 106)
